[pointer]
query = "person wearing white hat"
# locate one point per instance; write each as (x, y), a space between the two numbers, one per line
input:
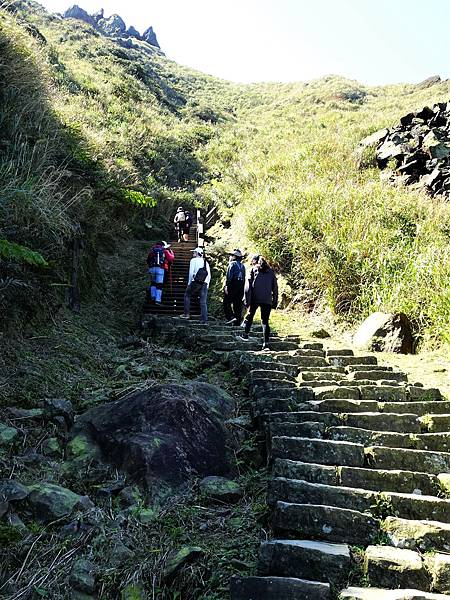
(180, 222)
(198, 283)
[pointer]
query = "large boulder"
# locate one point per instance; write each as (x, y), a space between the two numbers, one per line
(49, 502)
(166, 432)
(385, 332)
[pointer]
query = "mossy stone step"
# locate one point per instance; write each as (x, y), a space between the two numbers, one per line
(309, 429)
(320, 561)
(356, 593)
(439, 442)
(300, 361)
(383, 393)
(322, 522)
(344, 361)
(266, 405)
(324, 375)
(377, 375)
(324, 452)
(344, 405)
(257, 374)
(339, 352)
(421, 534)
(380, 457)
(389, 567)
(356, 368)
(277, 588)
(408, 482)
(419, 408)
(407, 506)
(329, 392)
(383, 421)
(435, 423)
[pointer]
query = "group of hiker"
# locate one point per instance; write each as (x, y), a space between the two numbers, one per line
(252, 287)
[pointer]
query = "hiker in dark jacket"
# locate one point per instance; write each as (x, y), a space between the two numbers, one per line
(233, 296)
(261, 291)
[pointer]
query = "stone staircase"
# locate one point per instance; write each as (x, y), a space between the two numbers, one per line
(175, 284)
(360, 460)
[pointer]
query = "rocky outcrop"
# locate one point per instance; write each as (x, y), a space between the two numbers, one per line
(76, 12)
(417, 150)
(167, 432)
(385, 332)
(150, 37)
(113, 26)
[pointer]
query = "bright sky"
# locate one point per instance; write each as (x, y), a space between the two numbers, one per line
(373, 41)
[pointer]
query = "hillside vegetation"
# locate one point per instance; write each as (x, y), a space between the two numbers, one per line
(103, 141)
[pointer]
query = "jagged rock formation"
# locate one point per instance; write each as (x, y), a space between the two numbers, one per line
(113, 26)
(360, 461)
(417, 151)
(385, 332)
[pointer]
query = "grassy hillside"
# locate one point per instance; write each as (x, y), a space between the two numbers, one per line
(103, 141)
(292, 187)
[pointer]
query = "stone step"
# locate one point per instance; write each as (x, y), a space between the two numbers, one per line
(324, 452)
(343, 405)
(329, 392)
(320, 561)
(318, 370)
(383, 393)
(264, 406)
(417, 534)
(439, 442)
(320, 383)
(356, 593)
(301, 361)
(302, 417)
(328, 523)
(344, 361)
(309, 429)
(377, 375)
(277, 588)
(408, 482)
(383, 421)
(380, 457)
(365, 420)
(419, 408)
(435, 423)
(300, 352)
(250, 344)
(388, 567)
(356, 368)
(272, 374)
(407, 506)
(272, 387)
(322, 376)
(339, 352)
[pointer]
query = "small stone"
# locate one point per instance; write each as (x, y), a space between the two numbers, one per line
(130, 496)
(11, 490)
(394, 567)
(221, 489)
(184, 556)
(51, 447)
(82, 576)
(133, 591)
(8, 435)
(321, 334)
(50, 502)
(59, 407)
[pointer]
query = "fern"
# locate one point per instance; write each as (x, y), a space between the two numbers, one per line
(16, 252)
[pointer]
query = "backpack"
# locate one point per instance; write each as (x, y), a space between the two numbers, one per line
(157, 257)
(188, 217)
(202, 273)
(240, 276)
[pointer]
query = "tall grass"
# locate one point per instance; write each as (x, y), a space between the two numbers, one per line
(361, 245)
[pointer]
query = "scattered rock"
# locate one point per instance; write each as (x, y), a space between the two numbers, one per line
(59, 407)
(320, 334)
(385, 332)
(184, 556)
(8, 435)
(51, 447)
(130, 496)
(417, 150)
(221, 489)
(82, 576)
(167, 432)
(49, 501)
(428, 82)
(133, 591)
(25, 413)
(11, 490)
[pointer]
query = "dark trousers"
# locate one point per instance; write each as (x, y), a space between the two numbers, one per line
(265, 314)
(233, 301)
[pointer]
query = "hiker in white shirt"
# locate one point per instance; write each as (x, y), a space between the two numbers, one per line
(198, 284)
